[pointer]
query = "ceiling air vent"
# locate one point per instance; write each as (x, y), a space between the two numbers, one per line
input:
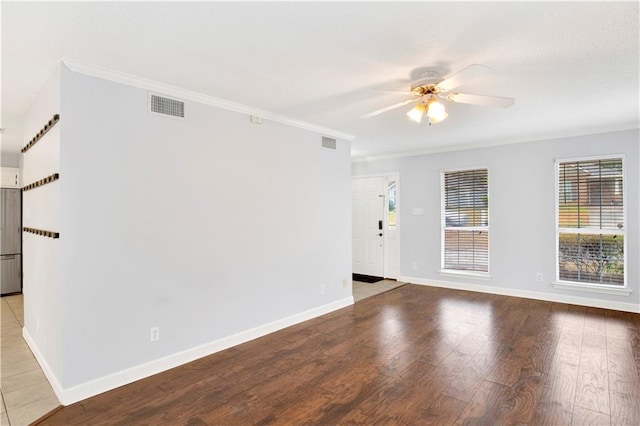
(166, 106)
(328, 143)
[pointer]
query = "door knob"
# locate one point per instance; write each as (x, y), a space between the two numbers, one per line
(380, 234)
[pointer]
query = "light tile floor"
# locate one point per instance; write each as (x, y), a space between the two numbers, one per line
(26, 393)
(363, 290)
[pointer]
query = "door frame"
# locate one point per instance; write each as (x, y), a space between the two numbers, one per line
(386, 253)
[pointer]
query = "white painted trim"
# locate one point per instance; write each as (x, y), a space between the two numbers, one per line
(465, 274)
(189, 95)
(491, 143)
(527, 294)
(372, 175)
(592, 288)
(465, 169)
(591, 158)
(129, 375)
(46, 369)
(591, 231)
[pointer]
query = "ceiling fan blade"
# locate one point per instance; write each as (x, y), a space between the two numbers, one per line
(389, 108)
(461, 77)
(399, 92)
(483, 100)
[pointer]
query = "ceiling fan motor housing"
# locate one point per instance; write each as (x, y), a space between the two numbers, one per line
(425, 89)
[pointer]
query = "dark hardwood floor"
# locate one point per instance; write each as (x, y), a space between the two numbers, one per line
(414, 355)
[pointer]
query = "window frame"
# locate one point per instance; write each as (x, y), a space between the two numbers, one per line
(587, 286)
(443, 226)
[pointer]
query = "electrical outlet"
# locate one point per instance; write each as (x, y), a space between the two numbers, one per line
(539, 277)
(345, 283)
(322, 288)
(414, 266)
(155, 334)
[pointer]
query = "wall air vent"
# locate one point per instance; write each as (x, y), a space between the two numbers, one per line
(328, 143)
(166, 106)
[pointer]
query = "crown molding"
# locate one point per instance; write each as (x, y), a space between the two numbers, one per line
(488, 144)
(190, 95)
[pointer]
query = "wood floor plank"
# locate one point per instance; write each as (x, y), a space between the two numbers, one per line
(297, 380)
(240, 409)
(624, 377)
(399, 363)
(625, 409)
(634, 340)
(444, 410)
(463, 385)
(543, 351)
(549, 412)
(558, 395)
(486, 406)
(569, 343)
(412, 356)
(507, 370)
(584, 417)
(592, 387)
(435, 410)
(391, 400)
(316, 405)
(525, 394)
(350, 390)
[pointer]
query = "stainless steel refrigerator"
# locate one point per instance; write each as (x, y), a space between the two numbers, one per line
(11, 241)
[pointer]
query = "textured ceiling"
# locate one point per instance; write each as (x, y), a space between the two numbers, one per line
(573, 67)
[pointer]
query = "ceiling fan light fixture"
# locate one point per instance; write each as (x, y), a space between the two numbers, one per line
(426, 90)
(416, 113)
(436, 111)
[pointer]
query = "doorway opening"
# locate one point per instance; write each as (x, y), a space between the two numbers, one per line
(376, 228)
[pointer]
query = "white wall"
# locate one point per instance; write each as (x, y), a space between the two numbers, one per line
(205, 227)
(11, 139)
(522, 218)
(42, 287)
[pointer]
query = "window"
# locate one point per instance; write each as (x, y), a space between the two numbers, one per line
(393, 199)
(465, 220)
(591, 221)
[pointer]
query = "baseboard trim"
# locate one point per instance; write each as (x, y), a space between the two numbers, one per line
(527, 294)
(129, 375)
(44, 365)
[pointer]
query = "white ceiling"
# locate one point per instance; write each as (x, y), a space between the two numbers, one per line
(573, 67)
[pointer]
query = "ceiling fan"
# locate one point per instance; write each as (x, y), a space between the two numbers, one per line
(427, 91)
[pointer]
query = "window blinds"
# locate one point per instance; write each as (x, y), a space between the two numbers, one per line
(465, 220)
(591, 228)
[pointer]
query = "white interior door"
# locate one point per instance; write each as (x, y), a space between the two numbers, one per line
(368, 209)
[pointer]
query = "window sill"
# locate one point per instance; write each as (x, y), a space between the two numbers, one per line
(592, 288)
(465, 274)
